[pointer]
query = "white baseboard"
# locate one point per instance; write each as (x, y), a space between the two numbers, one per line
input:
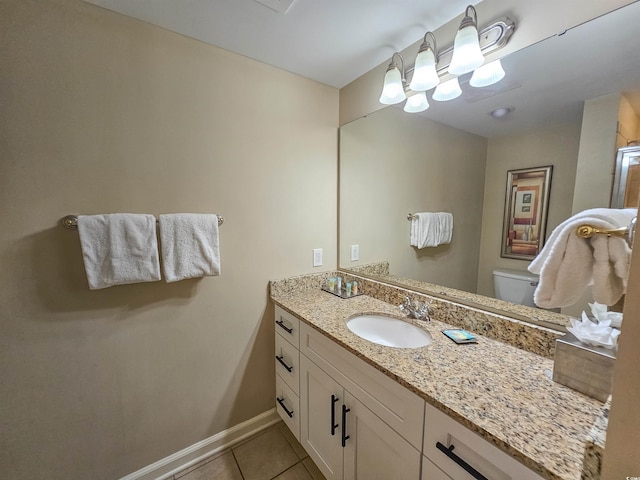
(172, 464)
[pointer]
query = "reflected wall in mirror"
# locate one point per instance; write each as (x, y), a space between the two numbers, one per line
(454, 157)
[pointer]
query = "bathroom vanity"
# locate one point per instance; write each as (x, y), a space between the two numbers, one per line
(363, 410)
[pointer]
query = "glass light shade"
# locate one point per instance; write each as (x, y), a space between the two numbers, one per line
(425, 76)
(392, 91)
(416, 103)
(447, 90)
(487, 74)
(467, 55)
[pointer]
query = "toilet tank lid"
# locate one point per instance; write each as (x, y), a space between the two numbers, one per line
(517, 274)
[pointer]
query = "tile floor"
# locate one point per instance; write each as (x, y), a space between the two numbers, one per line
(273, 454)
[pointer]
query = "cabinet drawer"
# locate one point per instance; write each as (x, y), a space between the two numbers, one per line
(288, 326)
(288, 406)
(484, 457)
(287, 363)
(399, 408)
(431, 472)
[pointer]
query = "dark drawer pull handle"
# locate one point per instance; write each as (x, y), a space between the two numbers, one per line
(345, 437)
(334, 425)
(286, 410)
(464, 465)
(280, 359)
(281, 323)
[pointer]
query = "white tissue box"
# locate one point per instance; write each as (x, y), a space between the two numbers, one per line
(584, 368)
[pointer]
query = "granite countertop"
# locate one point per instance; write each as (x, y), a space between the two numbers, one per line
(501, 392)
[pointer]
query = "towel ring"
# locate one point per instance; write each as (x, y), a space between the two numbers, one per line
(70, 222)
(588, 231)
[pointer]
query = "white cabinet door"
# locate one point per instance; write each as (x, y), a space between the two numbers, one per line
(320, 415)
(373, 451)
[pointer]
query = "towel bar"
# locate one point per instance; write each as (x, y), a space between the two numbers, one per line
(411, 216)
(588, 231)
(71, 222)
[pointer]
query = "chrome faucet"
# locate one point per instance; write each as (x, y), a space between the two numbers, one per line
(417, 310)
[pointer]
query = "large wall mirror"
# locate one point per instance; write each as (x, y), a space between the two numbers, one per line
(455, 156)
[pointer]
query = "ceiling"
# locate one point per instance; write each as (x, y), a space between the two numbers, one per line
(330, 41)
(336, 41)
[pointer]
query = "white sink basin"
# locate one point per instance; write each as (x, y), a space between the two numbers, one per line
(388, 331)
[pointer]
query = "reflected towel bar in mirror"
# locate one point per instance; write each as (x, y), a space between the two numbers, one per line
(588, 231)
(71, 222)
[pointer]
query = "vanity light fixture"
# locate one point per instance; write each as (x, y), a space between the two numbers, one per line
(447, 90)
(394, 83)
(432, 63)
(487, 74)
(425, 75)
(467, 55)
(416, 103)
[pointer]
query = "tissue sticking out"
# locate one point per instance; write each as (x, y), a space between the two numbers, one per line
(603, 332)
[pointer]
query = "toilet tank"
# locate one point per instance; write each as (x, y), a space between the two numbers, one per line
(515, 286)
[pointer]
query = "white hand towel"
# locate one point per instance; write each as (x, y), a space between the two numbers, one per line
(190, 246)
(568, 264)
(445, 220)
(119, 248)
(431, 229)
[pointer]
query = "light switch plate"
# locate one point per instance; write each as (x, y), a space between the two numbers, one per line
(317, 257)
(355, 253)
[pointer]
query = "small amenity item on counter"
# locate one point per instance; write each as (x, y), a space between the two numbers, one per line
(332, 283)
(348, 289)
(460, 336)
(339, 283)
(354, 287)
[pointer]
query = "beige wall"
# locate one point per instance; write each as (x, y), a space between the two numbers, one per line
(596, 159)
(393, 163)
(628, 123)
(555, 145)
(101, 113)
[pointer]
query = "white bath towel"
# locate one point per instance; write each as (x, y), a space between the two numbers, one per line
(431, 229)
(190, 246)
(119, 248)
(568, 264)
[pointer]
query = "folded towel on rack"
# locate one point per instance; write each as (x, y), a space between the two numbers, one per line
(119, 248)
(431, 229)
(568, 264)
(190, 246)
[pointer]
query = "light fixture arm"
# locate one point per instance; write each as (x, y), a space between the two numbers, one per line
(467, 20)
(393, 64)
(426, 45)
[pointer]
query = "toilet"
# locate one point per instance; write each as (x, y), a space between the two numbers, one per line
(515, 286)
